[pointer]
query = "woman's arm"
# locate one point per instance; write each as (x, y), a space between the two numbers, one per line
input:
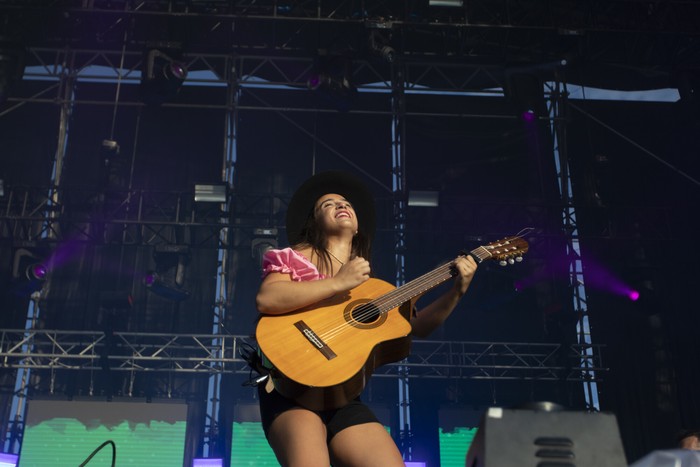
(433, 315)
(279, 294)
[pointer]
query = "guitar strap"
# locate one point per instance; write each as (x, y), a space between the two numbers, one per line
(258, 364)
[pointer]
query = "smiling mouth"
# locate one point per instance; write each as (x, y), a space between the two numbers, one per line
(343, 215)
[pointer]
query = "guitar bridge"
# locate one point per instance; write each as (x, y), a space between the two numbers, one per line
(316, 341)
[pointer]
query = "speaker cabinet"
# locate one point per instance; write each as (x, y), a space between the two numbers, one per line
(523, 438)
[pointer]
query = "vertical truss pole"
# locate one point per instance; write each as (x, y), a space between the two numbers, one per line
(398, 133)
(575, 266)
(14, 431)
(212, 445)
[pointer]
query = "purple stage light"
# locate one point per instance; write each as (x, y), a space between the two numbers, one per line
(207, 462)
(633, 295)
(39, 271)
(314, 82)
(8, 460)
(149, 279)
(178, 71)
(528, 116)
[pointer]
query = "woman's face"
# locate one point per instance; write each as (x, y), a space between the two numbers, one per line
(334, 214)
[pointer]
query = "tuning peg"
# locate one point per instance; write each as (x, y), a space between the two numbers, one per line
(502, 262)
(519, 259)
(511, 261)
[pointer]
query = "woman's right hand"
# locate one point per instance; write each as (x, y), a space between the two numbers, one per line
(351, 274)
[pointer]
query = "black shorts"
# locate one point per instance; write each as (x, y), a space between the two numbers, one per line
(355, 413)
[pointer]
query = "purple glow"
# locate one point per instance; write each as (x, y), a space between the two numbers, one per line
(207, 462)
(65, 253)
(8, 460)
(528, 116)
(633, 295)
(39, 271)
(178, 70)
(314, 82)
(415, 464)
(149, 279)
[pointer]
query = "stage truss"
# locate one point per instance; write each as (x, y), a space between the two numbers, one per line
(56, 350)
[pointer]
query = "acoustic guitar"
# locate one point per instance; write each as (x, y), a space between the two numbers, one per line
(323, 355)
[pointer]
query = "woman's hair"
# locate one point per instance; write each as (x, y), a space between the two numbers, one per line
(312, 235)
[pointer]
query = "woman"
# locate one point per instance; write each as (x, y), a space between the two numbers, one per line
(330, 225)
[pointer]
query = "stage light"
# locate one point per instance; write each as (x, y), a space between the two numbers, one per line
(164, 288)
(524, 92)
(379, 44)
(8, 460)
(37, 271)
(207, 462)
(29, 272)
(330, 78)
(423, 198)
(446, 3)
(161, 76)
(167, 279)
(264, 239)
(210, 193)
(528, 115)
(633, 295)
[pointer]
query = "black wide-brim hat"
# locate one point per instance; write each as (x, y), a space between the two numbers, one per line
(303, 200)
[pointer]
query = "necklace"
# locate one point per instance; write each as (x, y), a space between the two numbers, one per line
(336, 258)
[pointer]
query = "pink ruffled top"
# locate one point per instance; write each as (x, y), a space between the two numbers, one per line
(288, 261)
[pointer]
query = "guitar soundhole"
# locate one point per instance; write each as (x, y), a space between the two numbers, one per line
(364, 314)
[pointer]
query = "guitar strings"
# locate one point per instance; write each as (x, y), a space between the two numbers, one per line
(366, 310)
(388, 301)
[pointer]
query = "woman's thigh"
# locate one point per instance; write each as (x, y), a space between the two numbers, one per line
(365, 445)
(298, 438)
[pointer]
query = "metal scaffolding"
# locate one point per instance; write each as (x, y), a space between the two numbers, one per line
(58, 350)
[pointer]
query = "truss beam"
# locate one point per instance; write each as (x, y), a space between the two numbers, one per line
(212, 353)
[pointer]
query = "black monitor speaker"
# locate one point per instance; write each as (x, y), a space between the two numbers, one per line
(546, 437)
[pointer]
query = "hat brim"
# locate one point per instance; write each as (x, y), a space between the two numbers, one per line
(304, 199)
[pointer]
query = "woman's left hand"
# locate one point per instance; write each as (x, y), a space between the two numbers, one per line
(465, 267)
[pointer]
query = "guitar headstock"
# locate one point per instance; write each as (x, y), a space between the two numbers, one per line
(506, 251)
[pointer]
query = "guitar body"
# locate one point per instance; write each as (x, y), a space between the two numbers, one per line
(323, 356)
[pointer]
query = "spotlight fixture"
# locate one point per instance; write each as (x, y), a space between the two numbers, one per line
(423, 198)
(167, 279)
(29, 272)
(446, 3)
(264, 239)
(331, 79)
(164, 288)
(8, 460)
(206, 462)
(210, 193)
(379, 46)
(525, 93)
(161, 77)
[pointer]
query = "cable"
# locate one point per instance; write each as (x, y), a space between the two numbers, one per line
(114, 453)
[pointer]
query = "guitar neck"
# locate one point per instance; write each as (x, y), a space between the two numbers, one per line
(422, 284)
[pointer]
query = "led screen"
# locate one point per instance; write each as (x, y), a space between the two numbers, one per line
(65, 433)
